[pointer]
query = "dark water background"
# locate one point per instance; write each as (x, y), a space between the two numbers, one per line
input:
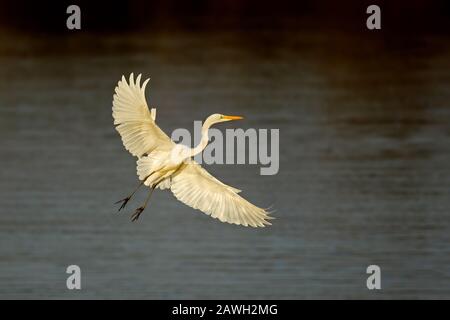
(364, 166)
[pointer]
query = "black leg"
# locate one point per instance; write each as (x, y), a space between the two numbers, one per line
(139, 210)
(125, 200)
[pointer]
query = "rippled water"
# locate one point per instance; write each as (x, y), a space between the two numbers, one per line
(364, 167)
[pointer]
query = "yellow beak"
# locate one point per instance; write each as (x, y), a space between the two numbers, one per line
(232, 117)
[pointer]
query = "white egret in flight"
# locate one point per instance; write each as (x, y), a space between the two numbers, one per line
(164, 164)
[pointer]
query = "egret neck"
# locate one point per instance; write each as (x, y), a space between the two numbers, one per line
(204, 140)
(212, 119)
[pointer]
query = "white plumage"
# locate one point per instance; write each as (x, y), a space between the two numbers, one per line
(162, 163)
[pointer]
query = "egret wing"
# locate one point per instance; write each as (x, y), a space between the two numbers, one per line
(134, 122)
(195, 187)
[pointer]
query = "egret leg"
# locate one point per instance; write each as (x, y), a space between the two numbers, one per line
(139, 210)
(125, 200)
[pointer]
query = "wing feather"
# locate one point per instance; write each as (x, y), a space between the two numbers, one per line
(195, 187)
(134, 122)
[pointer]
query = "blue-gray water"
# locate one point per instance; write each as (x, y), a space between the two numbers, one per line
(364, 167)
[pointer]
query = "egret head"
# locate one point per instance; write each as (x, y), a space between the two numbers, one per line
(216, 118)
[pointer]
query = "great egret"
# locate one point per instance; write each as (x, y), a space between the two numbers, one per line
(164, 164)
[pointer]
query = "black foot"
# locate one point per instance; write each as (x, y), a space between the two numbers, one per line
(124, 202)
(137, 213)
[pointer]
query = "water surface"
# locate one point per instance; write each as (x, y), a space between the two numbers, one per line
(364, 166)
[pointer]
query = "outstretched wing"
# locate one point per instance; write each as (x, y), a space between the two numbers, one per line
(195, 187)
(133, 120)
